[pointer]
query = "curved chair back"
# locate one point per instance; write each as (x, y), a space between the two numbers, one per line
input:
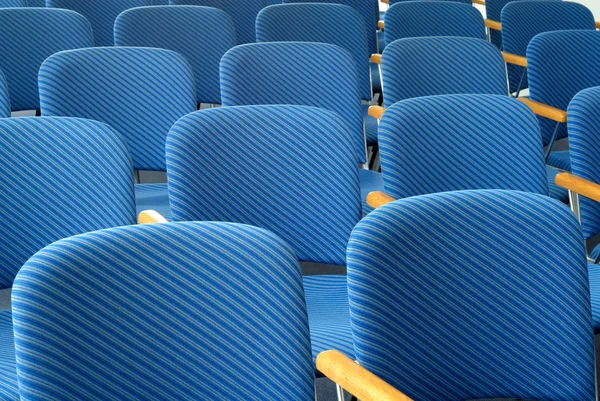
(165, 311)
(13, 3)
(4, 97)
(60, 177)
(265, 166)
(301, 73)
(172, 27)
(417, 67)
(129, 91)
(242, 12)
(412, 19)
(481, 311)
(560, 64)
(365, 8)
(458, 142)
(101, 14)
(335, 24)
(30, 35)
(36, 3)
(518, 28)
(393, 2)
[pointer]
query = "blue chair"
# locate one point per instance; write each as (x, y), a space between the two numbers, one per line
(4, 98)
(518, 28)
(30, 35)
(394, 2)
(410, 19)
(36, 3)
(481, 312)
(13, 3)
(269, 173)
(172, 27)
(131, 93)
(165, 311)
(242, 12)
(60, 177)
(335, 24)
(101, 14)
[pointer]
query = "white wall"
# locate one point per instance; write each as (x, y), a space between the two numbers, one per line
(593, 5)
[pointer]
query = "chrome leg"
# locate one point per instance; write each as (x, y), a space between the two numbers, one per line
(340, 392)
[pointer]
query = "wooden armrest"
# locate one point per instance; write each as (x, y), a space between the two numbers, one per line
(597, 25)
(543, 110)
(151, 217)
(515, 59)
(385, 1)
(495, 25)
(376, 112)
(480, 2)
(355, 379)
(381, 24)
(578, 185)
(376, 58)
(377, 199)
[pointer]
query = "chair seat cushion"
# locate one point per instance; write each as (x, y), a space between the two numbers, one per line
(370, 181)
(556, 192)
(560, 159)
(9, 389)
(328, 314)
(370, 125)
(594, 276)
(153, 197)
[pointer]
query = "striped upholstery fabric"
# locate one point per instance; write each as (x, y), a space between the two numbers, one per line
(441, 65)
(365, 8)
(4, 97)
(392, 2)
(517, 266)
(13, 3)
(271, 175)
(411, 19)
(101, 14)
(560, 64)
(242, 12)
(29, 36)
(311, 74)
(187, 311)
(201, 34)
(457, 142)
(9, 389)
(36, 3)
(518, 28)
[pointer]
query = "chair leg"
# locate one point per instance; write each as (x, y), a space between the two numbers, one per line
(340, 392)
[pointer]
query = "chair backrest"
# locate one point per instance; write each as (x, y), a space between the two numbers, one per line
(29, 36)
(412, 19)
(393, 2)
(365, 8)
(60, 177)
(489, 281)
(201, 34)
(336, 24)
(125, 87)
(518, 28)
(183, 311)
(101, 14)
(4, 97)
(36, 3)
(427, 66)
(13, 3)
(560, 64)
(271, 174)
(301, 73)
(242, 12)
(584, 147)
(458, 142)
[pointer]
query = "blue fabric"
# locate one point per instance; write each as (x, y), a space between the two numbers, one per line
(36, 3)
(9, 389)
(457, 142)
(130, 92)
(416, 67)
(242, 12)
(184, 311)
(201, 34)
(153, 197)
(393, 2)
(560, 159)
(302, 73)
(365, 8)
(560, 64)
(594, 276)
(335, 24)
(411, 19)
(518, 28)
(494, 292)
(371, 125)
(4, 97)
(555, 191)
(60, 177)
(29, 36)
(13, 3)
(100, 14)
(370, 181)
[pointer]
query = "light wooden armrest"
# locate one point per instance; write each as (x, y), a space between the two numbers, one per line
(151, 217)
(385, 1)
(515, 59)
(480, 2)
(376, 112)
(543, 110)
(376, 58)
(355, 379)
(597, 25)
(495, 25)
(578, 185)
(381, 24)
(377, 199)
